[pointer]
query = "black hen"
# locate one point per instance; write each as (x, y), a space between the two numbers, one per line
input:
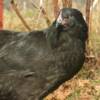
(34, 64)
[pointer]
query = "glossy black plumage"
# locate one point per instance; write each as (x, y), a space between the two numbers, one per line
(34, 64)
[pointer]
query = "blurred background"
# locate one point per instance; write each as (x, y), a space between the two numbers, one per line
(28, 15)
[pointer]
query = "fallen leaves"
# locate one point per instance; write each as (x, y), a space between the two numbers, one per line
(79, 88)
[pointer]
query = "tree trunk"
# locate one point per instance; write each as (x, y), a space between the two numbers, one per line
(88, 5)
(89, 46)
(1, 14)
(56, 7)
(67, 3)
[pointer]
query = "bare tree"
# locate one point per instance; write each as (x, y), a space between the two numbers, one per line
(56, 7)
(67, 3)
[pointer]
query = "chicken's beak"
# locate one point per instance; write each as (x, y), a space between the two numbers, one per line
(58, 24)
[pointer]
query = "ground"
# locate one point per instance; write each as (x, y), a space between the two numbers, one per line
(84, 86)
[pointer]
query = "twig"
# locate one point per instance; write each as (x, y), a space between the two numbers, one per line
(45, 16)
(34, 5)
(42, 10)
(19, 15)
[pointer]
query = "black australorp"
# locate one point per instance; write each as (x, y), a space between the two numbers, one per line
(34, 64)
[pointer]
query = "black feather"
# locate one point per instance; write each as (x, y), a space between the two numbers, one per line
(34, 64)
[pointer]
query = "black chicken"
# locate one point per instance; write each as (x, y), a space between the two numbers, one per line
(34, 64)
